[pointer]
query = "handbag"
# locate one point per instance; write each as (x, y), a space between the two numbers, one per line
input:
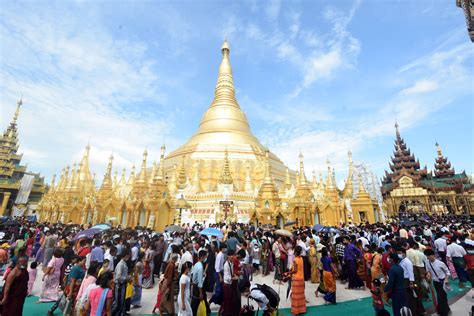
(202, 311)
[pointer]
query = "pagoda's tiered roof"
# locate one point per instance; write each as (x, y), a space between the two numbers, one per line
(404, 163)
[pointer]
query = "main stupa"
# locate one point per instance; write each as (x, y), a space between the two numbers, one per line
(224, 130)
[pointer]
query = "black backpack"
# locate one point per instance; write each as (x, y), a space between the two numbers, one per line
(272, 296)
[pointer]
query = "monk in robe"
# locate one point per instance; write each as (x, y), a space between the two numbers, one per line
(15, 290)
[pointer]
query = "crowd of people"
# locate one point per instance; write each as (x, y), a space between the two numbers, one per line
(401, 264)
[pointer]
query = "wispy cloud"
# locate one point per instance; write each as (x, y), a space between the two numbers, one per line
(79, 85)
(421, 86)
(411, 106)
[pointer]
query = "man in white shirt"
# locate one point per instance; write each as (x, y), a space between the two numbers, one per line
(304, 251)
(456, 253)
(364, 241)
(441, 247)
(427, 232)
(414, 302)
(187, 257)
(134, 249)
(439, 273)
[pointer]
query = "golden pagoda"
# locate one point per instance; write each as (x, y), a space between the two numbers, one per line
(221, 174)
(409, 190)
(20, 190)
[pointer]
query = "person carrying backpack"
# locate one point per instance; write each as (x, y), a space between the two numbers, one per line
(266, 297)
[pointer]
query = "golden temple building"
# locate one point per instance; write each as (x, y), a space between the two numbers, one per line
(20, 190)
(221, 174)
(409, 190)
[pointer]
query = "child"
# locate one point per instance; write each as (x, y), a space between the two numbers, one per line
(32, 276)
(129, 291)
(377, 301)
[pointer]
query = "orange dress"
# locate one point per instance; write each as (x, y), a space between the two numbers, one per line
(298, 299)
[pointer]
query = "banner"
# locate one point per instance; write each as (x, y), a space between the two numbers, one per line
(18, 212)
(25, 188)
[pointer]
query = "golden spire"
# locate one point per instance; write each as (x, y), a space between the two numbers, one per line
(297, 178)
(122, 177)
(248, 179)
(267, 178)
(182, 178)
(226, 176)
(225, 92)
(314, 182)
(122, 184)
(329, 183)
(154, 170)
(287, 179)
(72, 179)
(224, 116)
(321, 182)
(65, 184)
(61, 180)
(303, 181)
(361, 185)
(17, 112)
(53, 180)
(115, 183)
(77, 183)
(107, 183)
(131, 180)
(348, 188)
(161, 170)
(143, 178)
(84, 174)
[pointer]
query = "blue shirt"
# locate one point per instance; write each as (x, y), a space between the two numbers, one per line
(197, 274)
(395, 279)
(97, 254)
(351, 252)
(77, 272)
(232, 243)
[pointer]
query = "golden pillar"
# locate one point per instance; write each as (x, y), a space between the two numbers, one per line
(6, 197)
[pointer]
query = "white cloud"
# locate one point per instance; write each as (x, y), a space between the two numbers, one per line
(410, 106)
(79, 85)
(421, 86)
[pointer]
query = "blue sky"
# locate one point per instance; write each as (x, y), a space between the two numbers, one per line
(317, 76)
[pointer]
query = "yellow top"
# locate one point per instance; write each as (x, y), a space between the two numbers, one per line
(298, 265)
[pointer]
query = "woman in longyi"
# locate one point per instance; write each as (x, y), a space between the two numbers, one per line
(298, 299)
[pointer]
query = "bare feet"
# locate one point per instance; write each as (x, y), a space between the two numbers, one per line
(316, 293)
